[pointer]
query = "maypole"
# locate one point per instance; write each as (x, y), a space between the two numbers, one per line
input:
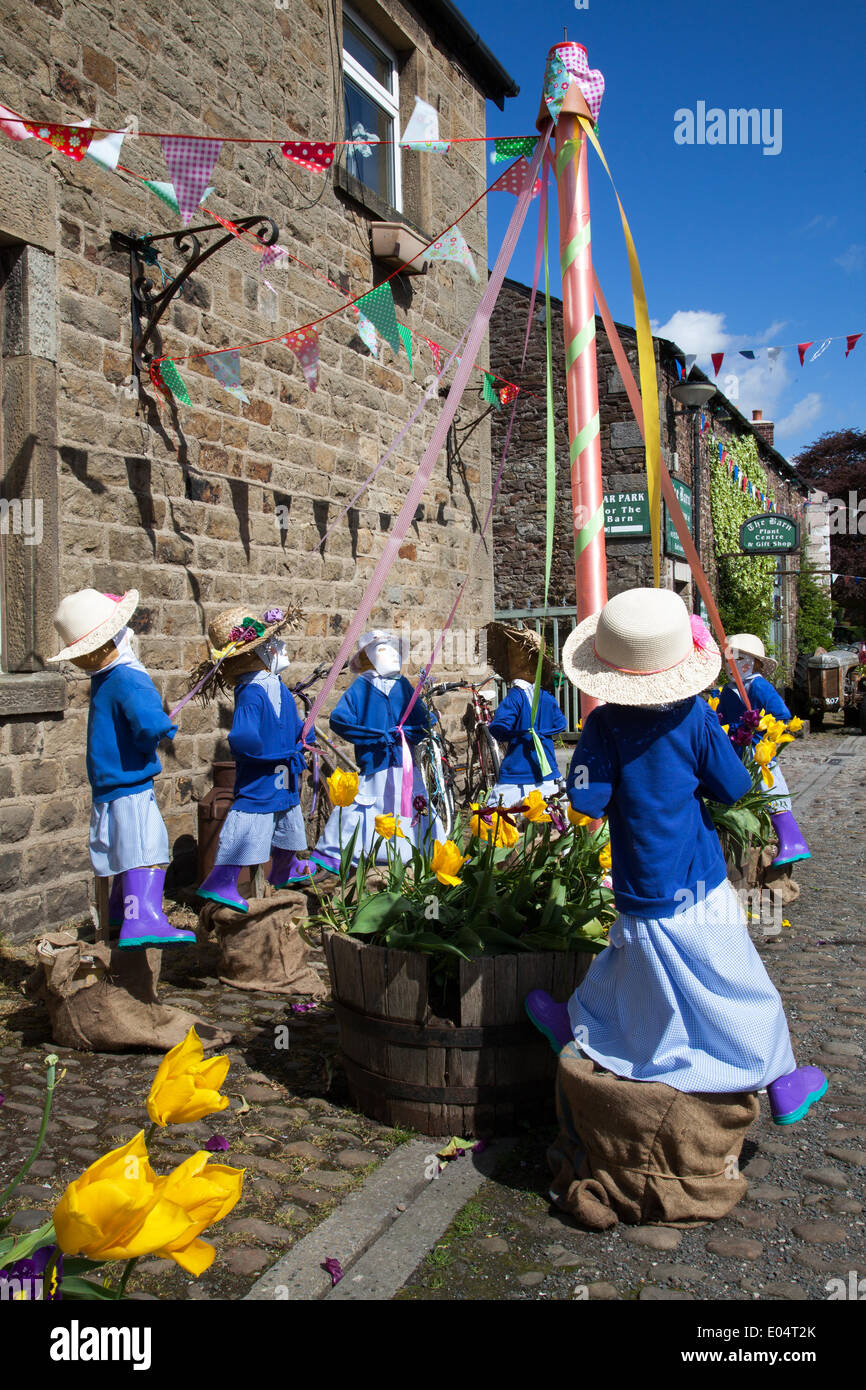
(564, 102)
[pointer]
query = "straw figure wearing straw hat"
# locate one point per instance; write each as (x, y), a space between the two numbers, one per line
(248, 655)
(756, 668)
(680, 994)
(530, 761)
(126, 723)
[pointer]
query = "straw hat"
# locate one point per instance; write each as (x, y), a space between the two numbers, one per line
(372, 639)
(643, 648)
(747, 644)
(233, 623)
(507, 645)
(86, 620)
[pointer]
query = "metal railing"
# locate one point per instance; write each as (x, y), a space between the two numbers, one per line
(555, 624)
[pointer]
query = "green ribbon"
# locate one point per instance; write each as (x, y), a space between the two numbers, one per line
(583, 438)
(588, 532)
(578, 344)
(578, 242)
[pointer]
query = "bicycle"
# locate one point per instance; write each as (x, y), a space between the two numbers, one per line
(484, 757)
(321, 763)
(435, 754)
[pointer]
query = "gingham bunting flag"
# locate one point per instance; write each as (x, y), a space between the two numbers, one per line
(190, 165)
(271, 254)
(510, 146)
(68, 139)
(436, 352)
(310, 154)
(304, 343)
(378, 305)
(515, 179)
(226, 367)
(166, 192)
(367, 334)
(451, 246)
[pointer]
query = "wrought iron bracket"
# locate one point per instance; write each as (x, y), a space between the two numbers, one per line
(148, 303)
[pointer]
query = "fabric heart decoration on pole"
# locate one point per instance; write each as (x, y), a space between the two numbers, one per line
(510, 146)
(166, 192)
(451, 246)
(68, 139)
(515, 179)
(378, 305)
(190, 165)
(226, 367)
(310, 154)
(304, 343)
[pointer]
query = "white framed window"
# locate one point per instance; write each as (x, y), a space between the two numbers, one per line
(371, 102)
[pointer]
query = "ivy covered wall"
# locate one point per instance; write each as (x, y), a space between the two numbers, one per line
(745, 587)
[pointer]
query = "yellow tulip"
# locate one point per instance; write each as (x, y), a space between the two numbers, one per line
(764, 752)
(447, 862)
(713, 701)
(186, 1085)
(766, 720)
(604, 858)
(205, 1192)
(576, 817)
(500, 831)
(795, 724)
(115, 1211)
(535, 807)
(784, 738)
(726, 728)
(388, 827)
(342, 787)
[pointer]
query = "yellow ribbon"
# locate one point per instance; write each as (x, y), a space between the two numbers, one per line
(647, 365)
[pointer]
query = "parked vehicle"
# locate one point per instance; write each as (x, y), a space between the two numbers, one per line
(831, 683)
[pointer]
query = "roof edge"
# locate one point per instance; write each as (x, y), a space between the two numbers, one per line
(448, 22)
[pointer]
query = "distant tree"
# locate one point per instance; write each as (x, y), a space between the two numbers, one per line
(836, 463)
(814, 612)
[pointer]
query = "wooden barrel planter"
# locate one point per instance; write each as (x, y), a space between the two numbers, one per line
(476, 1078)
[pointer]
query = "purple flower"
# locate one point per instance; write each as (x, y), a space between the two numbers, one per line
(2, 1097)
(302, 1008)
(236, 634)
(557, 818)
(335, 1269)
(249, 634)
(480, 1146)
(28, 1271)
(751, 719)
(217, 1144)
(274, 615)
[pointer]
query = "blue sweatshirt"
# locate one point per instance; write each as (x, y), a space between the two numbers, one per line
(125, 723)
(269, 761)
(649, 770)
(510, 724)
(762, 696)
(368, 719)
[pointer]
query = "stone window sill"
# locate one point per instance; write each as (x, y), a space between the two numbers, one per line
(38, 692)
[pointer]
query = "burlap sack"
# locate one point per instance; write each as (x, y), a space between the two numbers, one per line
(641, 1152)
(263, 949)
(101, 999)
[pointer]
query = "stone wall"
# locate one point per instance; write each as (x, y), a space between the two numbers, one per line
(180, 503)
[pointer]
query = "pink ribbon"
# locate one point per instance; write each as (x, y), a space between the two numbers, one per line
(408, 772)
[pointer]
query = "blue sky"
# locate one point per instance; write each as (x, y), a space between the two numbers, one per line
(738, 248)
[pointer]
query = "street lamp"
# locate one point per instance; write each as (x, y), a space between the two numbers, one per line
(693, 396)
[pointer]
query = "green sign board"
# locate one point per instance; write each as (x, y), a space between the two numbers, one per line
(769, 534)
(626, 514)
(672, 540)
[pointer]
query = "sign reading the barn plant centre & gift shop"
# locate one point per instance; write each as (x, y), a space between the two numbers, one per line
(684, 497)
(626, 514)
(769, 534)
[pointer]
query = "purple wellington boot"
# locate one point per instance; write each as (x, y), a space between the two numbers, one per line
(550, 1018)
(792, 846)
(221, 885)
(115, 902)
(287, 868)
(145, 923)
(792, 1095)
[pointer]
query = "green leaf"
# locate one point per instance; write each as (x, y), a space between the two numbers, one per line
(33, 1240)
(76, 1289)
(372, 915)
(77, 1264)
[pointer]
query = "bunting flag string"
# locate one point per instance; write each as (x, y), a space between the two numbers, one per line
(515, 179)
(755, 354)
(378, 306)
(68, 139)
(740, 478)
(190, 165)
(226, 367)
(313, 155)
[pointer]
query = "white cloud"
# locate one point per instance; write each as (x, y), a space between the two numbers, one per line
(853, 259)
(804, 412)
(696, 330)
(772, 333)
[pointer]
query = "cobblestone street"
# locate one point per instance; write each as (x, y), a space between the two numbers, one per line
(289, 1124)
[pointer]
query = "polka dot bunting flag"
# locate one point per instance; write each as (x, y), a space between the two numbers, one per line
(310, 154)
(71, 140)
(305, 345)
(510, 146)
(175, 382)
(226, 367)
(515, 179)
(378, 306)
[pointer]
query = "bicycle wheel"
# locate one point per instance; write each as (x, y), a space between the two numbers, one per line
(439, 793)
(490, 755)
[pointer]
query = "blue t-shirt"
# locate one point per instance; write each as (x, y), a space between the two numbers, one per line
(510, 724)
(649, 770)
(269, 761)
(125, 723)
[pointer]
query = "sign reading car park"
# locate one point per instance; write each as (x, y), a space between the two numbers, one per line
(769, 534)
(626, 514)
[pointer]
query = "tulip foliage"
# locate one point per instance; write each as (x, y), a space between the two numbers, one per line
(120, 1208)
(528, 878)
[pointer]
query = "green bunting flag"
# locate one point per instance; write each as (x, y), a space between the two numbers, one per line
(510, 146)
(175, 382)
(406, 339)
(489, 392)
(378, 305)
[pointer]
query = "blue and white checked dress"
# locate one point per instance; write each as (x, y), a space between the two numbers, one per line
(686, 1000)
(128, 833)
(248, 836)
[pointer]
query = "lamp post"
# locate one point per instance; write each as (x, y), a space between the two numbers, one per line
(693, 396)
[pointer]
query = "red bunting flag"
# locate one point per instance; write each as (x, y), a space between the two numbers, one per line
(304, 343)
(508, 393)
(718, 358)
(310, 154)
(68, 139)
(515, 180)
(436, 352)
(851, 342)
(801, 348)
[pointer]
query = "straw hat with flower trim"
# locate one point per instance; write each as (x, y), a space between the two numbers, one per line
(509, 646)
(235, 633)
(643, 648)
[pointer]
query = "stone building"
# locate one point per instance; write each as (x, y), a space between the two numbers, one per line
(519, 516)
(183, 502)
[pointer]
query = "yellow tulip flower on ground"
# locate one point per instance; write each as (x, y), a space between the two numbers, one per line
(447, 862)
(206, 1192)
(388, 827)
(536, 809)
(342, 787)
(186, 1085)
